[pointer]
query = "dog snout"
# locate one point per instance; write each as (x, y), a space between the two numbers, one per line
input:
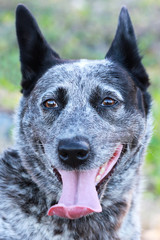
(73, 152)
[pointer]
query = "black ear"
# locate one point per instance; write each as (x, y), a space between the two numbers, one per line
(36, 55)
(124, 50)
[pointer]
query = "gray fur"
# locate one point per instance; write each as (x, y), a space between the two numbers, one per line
(28, 186)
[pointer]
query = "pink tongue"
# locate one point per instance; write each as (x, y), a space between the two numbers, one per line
(79, 196)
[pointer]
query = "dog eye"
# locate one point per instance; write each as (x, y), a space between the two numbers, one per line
(108, 102)
(50, 103)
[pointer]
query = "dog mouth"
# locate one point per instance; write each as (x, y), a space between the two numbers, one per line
(81, 190)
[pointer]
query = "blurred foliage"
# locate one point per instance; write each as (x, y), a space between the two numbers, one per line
(85, 29)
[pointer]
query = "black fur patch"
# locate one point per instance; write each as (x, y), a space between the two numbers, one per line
(36, 55)
(124, 51)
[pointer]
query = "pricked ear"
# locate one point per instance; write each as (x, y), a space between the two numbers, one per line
(124, 50)
(36, 55)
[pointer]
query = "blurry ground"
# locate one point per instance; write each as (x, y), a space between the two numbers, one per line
(150, 207)
(150, 219)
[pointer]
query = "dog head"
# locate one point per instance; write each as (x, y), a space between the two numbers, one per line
(81, 122)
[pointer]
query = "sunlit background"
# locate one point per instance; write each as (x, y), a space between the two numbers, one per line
(85, 29)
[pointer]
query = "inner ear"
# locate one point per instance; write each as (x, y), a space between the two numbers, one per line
(36, 56)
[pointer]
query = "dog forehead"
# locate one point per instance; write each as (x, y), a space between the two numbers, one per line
(87, 75)
(77, 70)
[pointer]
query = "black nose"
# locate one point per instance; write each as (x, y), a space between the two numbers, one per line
(73, 152)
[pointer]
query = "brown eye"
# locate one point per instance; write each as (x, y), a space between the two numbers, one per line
(50, 103)
(108, 102)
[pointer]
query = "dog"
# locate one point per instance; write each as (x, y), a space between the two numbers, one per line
(82, 130)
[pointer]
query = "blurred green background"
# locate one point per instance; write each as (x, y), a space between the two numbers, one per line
(85, 29)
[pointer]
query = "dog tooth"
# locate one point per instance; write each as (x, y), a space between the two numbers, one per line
(98, 178)
(102, 170)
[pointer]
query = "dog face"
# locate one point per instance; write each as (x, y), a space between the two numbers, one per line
(82, 121)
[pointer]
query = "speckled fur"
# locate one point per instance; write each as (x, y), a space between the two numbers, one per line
(28, 186)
